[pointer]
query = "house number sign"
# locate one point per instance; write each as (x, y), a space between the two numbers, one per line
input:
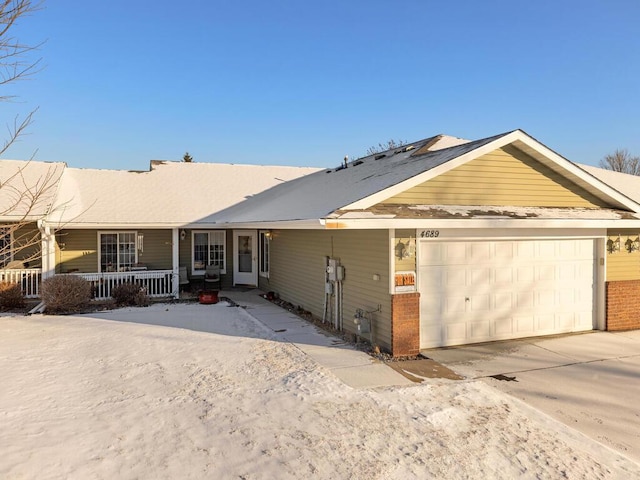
(429, 233)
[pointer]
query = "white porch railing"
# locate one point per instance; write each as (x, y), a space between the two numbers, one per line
(28, 278)
(157, 283)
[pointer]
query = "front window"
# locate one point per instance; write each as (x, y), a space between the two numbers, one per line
(118, 251)
(208, 249)
(5, 246)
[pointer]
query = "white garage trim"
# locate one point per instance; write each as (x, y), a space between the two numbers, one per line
(494, 289)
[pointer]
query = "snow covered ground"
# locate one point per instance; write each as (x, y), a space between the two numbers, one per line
(90, 398)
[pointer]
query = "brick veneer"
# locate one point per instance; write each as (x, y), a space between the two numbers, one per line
(623, 305)
(405, 324)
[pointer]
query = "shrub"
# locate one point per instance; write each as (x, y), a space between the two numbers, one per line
(130, 294)
(65, 293)
(11, 295)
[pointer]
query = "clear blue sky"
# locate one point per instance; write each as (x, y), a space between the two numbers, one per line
(294, 82)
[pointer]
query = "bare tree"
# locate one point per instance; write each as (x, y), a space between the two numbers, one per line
(24, 197)
(27, 191)
(621, 161)
(15, 61)
(383, 147)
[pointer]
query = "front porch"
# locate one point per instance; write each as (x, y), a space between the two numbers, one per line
(29, 280)
(156, 283)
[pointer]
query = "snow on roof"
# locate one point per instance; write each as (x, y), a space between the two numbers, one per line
(624, 183)
(170, 193)
(320, 194)
(27, 188)
(491, 211)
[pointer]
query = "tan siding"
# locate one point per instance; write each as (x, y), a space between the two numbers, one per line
(623, 265)
(78, 250)
(157, 249)
(297, 273)
(29, 236)
(506, 176)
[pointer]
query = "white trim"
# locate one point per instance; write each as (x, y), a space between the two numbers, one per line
(223, 234)
(116, 232)
(261, 236)
(175, 262)
(474, 223)
(253, 275)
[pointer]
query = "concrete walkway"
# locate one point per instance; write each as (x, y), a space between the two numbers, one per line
(353, 367)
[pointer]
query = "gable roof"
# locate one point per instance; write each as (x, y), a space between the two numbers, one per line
(27, 189)
(347, 192)
(625, 183)
(170, 194)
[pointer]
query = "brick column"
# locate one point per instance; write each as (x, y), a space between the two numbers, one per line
(405, 324)
(623, 305)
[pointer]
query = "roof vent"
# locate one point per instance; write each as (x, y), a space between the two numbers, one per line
(378, 157)
(357, 162)
(405, 149)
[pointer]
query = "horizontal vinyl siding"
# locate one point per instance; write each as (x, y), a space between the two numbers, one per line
(29, 236)
(297, 273)
(623, 265)
(157, 249)
(78, 250)
(506, 176)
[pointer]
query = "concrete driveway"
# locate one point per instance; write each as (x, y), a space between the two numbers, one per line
(588, 381)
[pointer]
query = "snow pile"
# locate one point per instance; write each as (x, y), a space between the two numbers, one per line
(88, 397)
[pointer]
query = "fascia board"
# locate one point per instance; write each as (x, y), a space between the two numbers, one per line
(474, 223)
(432, 173)
(282, 224)
(583, 175)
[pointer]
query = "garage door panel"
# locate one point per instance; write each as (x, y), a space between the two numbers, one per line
(543, 323)
(504, 326)
(480, 291)
(454, 278)
(454, 305)
(480, 331)
(545, 273)
(503, 275)
(525, 274)
(456, 332)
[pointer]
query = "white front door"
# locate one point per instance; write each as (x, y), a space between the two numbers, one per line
(494, 290)
(245, 257)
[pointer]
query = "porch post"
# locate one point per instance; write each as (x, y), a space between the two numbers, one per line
(175, 255)
(48, 250)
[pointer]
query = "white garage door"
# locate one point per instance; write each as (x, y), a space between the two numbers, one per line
(479, 291)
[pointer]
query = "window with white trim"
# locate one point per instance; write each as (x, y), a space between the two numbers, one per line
(118, 252)
(5, 246)
(265, 244)
(208, 248)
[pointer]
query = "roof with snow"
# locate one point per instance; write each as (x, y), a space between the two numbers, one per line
(27, 188)
(169, 194)
(625, 183)
(352, 191)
